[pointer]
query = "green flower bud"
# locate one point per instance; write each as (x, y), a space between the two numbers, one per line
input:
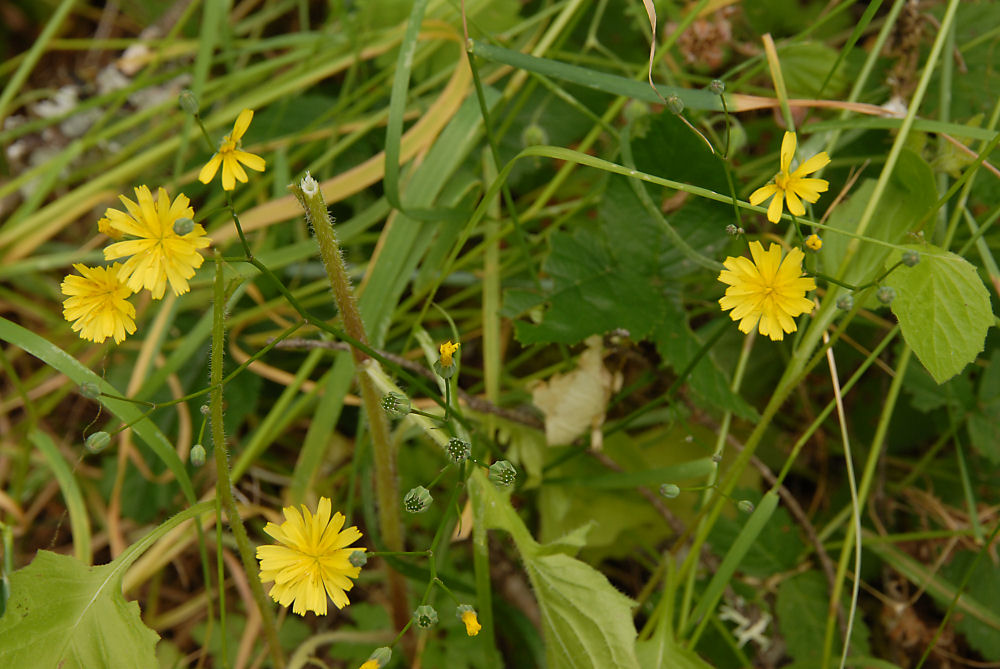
(417, 500)
(911, 258)
(534, 135)
(745, 505)
(845, 302)
(97, 442)
(635, 110)
(502, 474)
(886, 294)
(717, 87)
(188, 101)
(458, 450)
(675, 104)
(425, 617)
(183, 226)
(734, 231)
(204, 409)
(197, 455)
(381, 656)
(358, 558)
(395, 405)
(669, 490)
(90, 390)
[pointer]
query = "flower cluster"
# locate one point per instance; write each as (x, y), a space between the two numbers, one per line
(769, 292)
(158, 242)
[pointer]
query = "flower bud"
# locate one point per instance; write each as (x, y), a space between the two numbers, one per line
(886, 294)
(204, 409)
(183, 226)
(417, 500)
(733, 231)
(97, 442)
(458, 450)
(197, 455)
(669, 490)
(845, 302)
(467, 614)
(534, 135)
(395, 405)
(745, 505)
(911, 258)
(90, 390)
(814, 243)
(635, 110)
(381, 656)
(502, 474)
(358, 558)
(717, 87)
(425, 617)
(188, 101)
(675, 104)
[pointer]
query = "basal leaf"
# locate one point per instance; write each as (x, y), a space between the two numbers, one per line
(65, 614)
(943, 309)
(802, 607)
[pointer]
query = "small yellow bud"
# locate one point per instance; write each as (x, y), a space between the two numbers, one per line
(814, 243)
(447, 351)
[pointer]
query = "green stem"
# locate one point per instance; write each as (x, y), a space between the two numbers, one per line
(386, 481)
(224, 489)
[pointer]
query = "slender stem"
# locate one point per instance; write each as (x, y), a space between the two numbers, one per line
(224, 489)
(386, 480)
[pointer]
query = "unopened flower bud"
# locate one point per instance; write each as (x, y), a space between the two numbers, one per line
(534, 135)
(635, 110)
(358, 558)
(97, 442)
(675, 104)
(204, 409)
(814, 243)
(197, 455)
(90, 390)
(458, 449)
(669, 490)
(467, 614)
(395, 405)
(911, 258)
(732, 230)
(183, 226)
(381, 656)
(717, 87)
(886, 294)
(845, 302)
(745, 505)
(188, 101)
(425, 617)
(417, 500)
(502, 473)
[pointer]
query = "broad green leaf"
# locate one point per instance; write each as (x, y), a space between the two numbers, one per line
(806, 64)
(656, 653)
(943, 309)
(586, 621)
(802, 607)
(909, 194)
(63, 613)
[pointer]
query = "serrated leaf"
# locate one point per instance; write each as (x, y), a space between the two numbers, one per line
(984, 423)
(985, 589)
(585, 620)
(943, 309)
(65, 614)
(802, 607)
(656, 653)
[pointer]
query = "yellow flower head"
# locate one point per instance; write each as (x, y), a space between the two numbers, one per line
(105, 228)
(230, 155)
(814, 243)
(447, 351)
(472, 625)
(791, 187)
(159, 254)
(97, 303)
(311, 559)
(767, 293)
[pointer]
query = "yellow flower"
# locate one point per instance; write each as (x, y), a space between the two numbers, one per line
(814, 243)
(472, 625)
(97, 304)
(792, 186)
(311, 560)
(447, 350)
(159, 254)
(767, 293)
(370, 664)
(230, 156)
(104, 227)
